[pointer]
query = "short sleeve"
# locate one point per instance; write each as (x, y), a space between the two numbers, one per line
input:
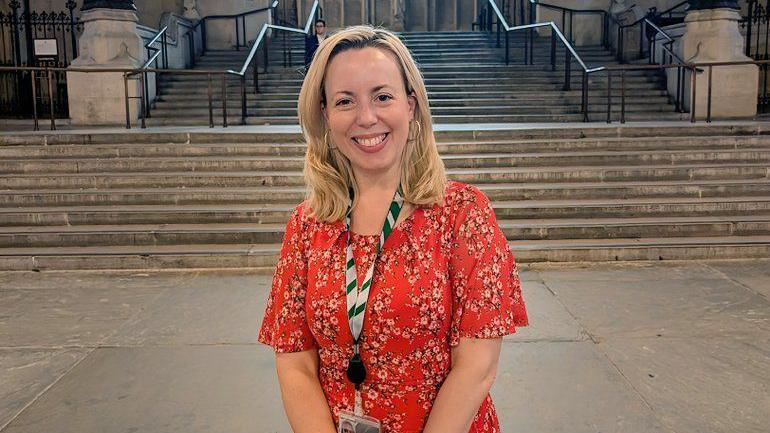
(486, 301)
(285, 325)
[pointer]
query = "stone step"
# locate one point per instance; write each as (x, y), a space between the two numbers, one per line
(573, 161)
(209, 189)
(192, 80)
(583, 133)
(191, 188)
(263, 257)
(552, 100)
(265, 233)
(608, 146)
(509, 110)
(234, 118)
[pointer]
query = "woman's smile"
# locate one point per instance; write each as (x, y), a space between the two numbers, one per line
(371, 143)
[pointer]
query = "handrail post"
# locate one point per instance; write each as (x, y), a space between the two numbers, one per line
(224, 100)
(585, 96)
(211, 102)
(678, 106)
(34, 100)
(708, 99)
(50, 99)
(553, 49)
(143, 83)
(693, 83)
(164, 47)
(571, 38)
(125, 91)
(642, 28)
(265, 52)
(146, 94)
(609, 96)
(567, 70)
(237, 35)
(498, 32)
(507, 49)
(243, 99)
(622, 96)
(255, 71)
(749, 27)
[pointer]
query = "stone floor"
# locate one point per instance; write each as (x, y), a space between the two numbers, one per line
(627, 347)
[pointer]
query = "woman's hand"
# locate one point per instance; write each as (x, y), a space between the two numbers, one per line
(303, 400)
(474, 367)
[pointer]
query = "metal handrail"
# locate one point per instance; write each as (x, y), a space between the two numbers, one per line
(567, 62)
(553, 26)
(261, 38)
(572, 11)
(238, 29)
(695, 68)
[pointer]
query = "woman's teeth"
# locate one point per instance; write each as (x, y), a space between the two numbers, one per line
(370, 142)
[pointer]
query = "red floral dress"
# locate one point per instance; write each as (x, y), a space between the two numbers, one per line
(445, 272)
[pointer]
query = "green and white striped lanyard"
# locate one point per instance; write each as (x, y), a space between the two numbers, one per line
(356, 300)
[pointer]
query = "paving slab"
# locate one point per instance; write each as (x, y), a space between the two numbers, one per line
(648, 299)
(27, 373)
(566, 387)
(216, 389)
(714, 384)
(212, 308)
(755, 274)
(549, 320)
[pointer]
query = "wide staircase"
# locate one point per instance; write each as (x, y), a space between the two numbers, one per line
(219, 199)
(466, 77)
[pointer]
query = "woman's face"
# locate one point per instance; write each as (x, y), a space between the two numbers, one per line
(367, 109)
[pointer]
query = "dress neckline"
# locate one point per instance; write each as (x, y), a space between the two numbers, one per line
(398, 227)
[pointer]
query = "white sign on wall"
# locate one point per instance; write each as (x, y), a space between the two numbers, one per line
(46, 48)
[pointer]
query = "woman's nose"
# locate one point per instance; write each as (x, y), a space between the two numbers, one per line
(366, 115)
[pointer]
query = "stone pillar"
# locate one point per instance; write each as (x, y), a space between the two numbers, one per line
(109, 40)
(713, 35)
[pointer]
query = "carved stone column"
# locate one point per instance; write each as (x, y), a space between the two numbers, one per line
(109, 40)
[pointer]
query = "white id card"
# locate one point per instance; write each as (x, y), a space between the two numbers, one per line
(350, 423)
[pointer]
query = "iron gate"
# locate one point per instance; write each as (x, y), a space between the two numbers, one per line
(20, 28)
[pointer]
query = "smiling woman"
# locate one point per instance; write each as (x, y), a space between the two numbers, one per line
(384, 236)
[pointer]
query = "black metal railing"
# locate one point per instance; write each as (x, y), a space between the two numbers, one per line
(668, 57)
(556, 35)
(568, 18)
(757, 24)
(239, 21)
(261, 41)
(653, 17)
(18, 31)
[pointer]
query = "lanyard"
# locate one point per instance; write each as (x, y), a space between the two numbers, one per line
(356, 300)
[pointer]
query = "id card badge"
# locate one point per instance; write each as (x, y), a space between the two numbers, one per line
(351, 423)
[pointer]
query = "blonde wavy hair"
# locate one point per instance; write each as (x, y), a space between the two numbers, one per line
(328, 173)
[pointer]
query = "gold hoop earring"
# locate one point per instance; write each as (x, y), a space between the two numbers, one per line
(327, 143)
(418, 126)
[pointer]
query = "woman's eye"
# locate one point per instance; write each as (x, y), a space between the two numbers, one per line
(383, 98)
(342, 102)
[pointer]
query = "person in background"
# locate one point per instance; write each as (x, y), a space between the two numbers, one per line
(313, 41)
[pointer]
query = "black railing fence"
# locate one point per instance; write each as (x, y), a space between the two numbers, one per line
(757, 28)
(55, 34)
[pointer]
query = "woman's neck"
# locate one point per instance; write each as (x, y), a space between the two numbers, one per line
(376, 184)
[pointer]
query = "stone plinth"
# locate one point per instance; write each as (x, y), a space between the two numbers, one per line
(109, 40)
(713, 35)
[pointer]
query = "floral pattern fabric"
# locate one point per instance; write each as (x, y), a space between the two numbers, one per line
(444, 273)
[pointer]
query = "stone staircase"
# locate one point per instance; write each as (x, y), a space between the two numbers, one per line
(221, 199)
(466, 77)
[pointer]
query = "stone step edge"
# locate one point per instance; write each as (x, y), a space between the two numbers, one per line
(246, 256)
(277, 227)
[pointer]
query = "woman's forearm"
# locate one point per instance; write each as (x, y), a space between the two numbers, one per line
(458, 401)
(304, 401)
